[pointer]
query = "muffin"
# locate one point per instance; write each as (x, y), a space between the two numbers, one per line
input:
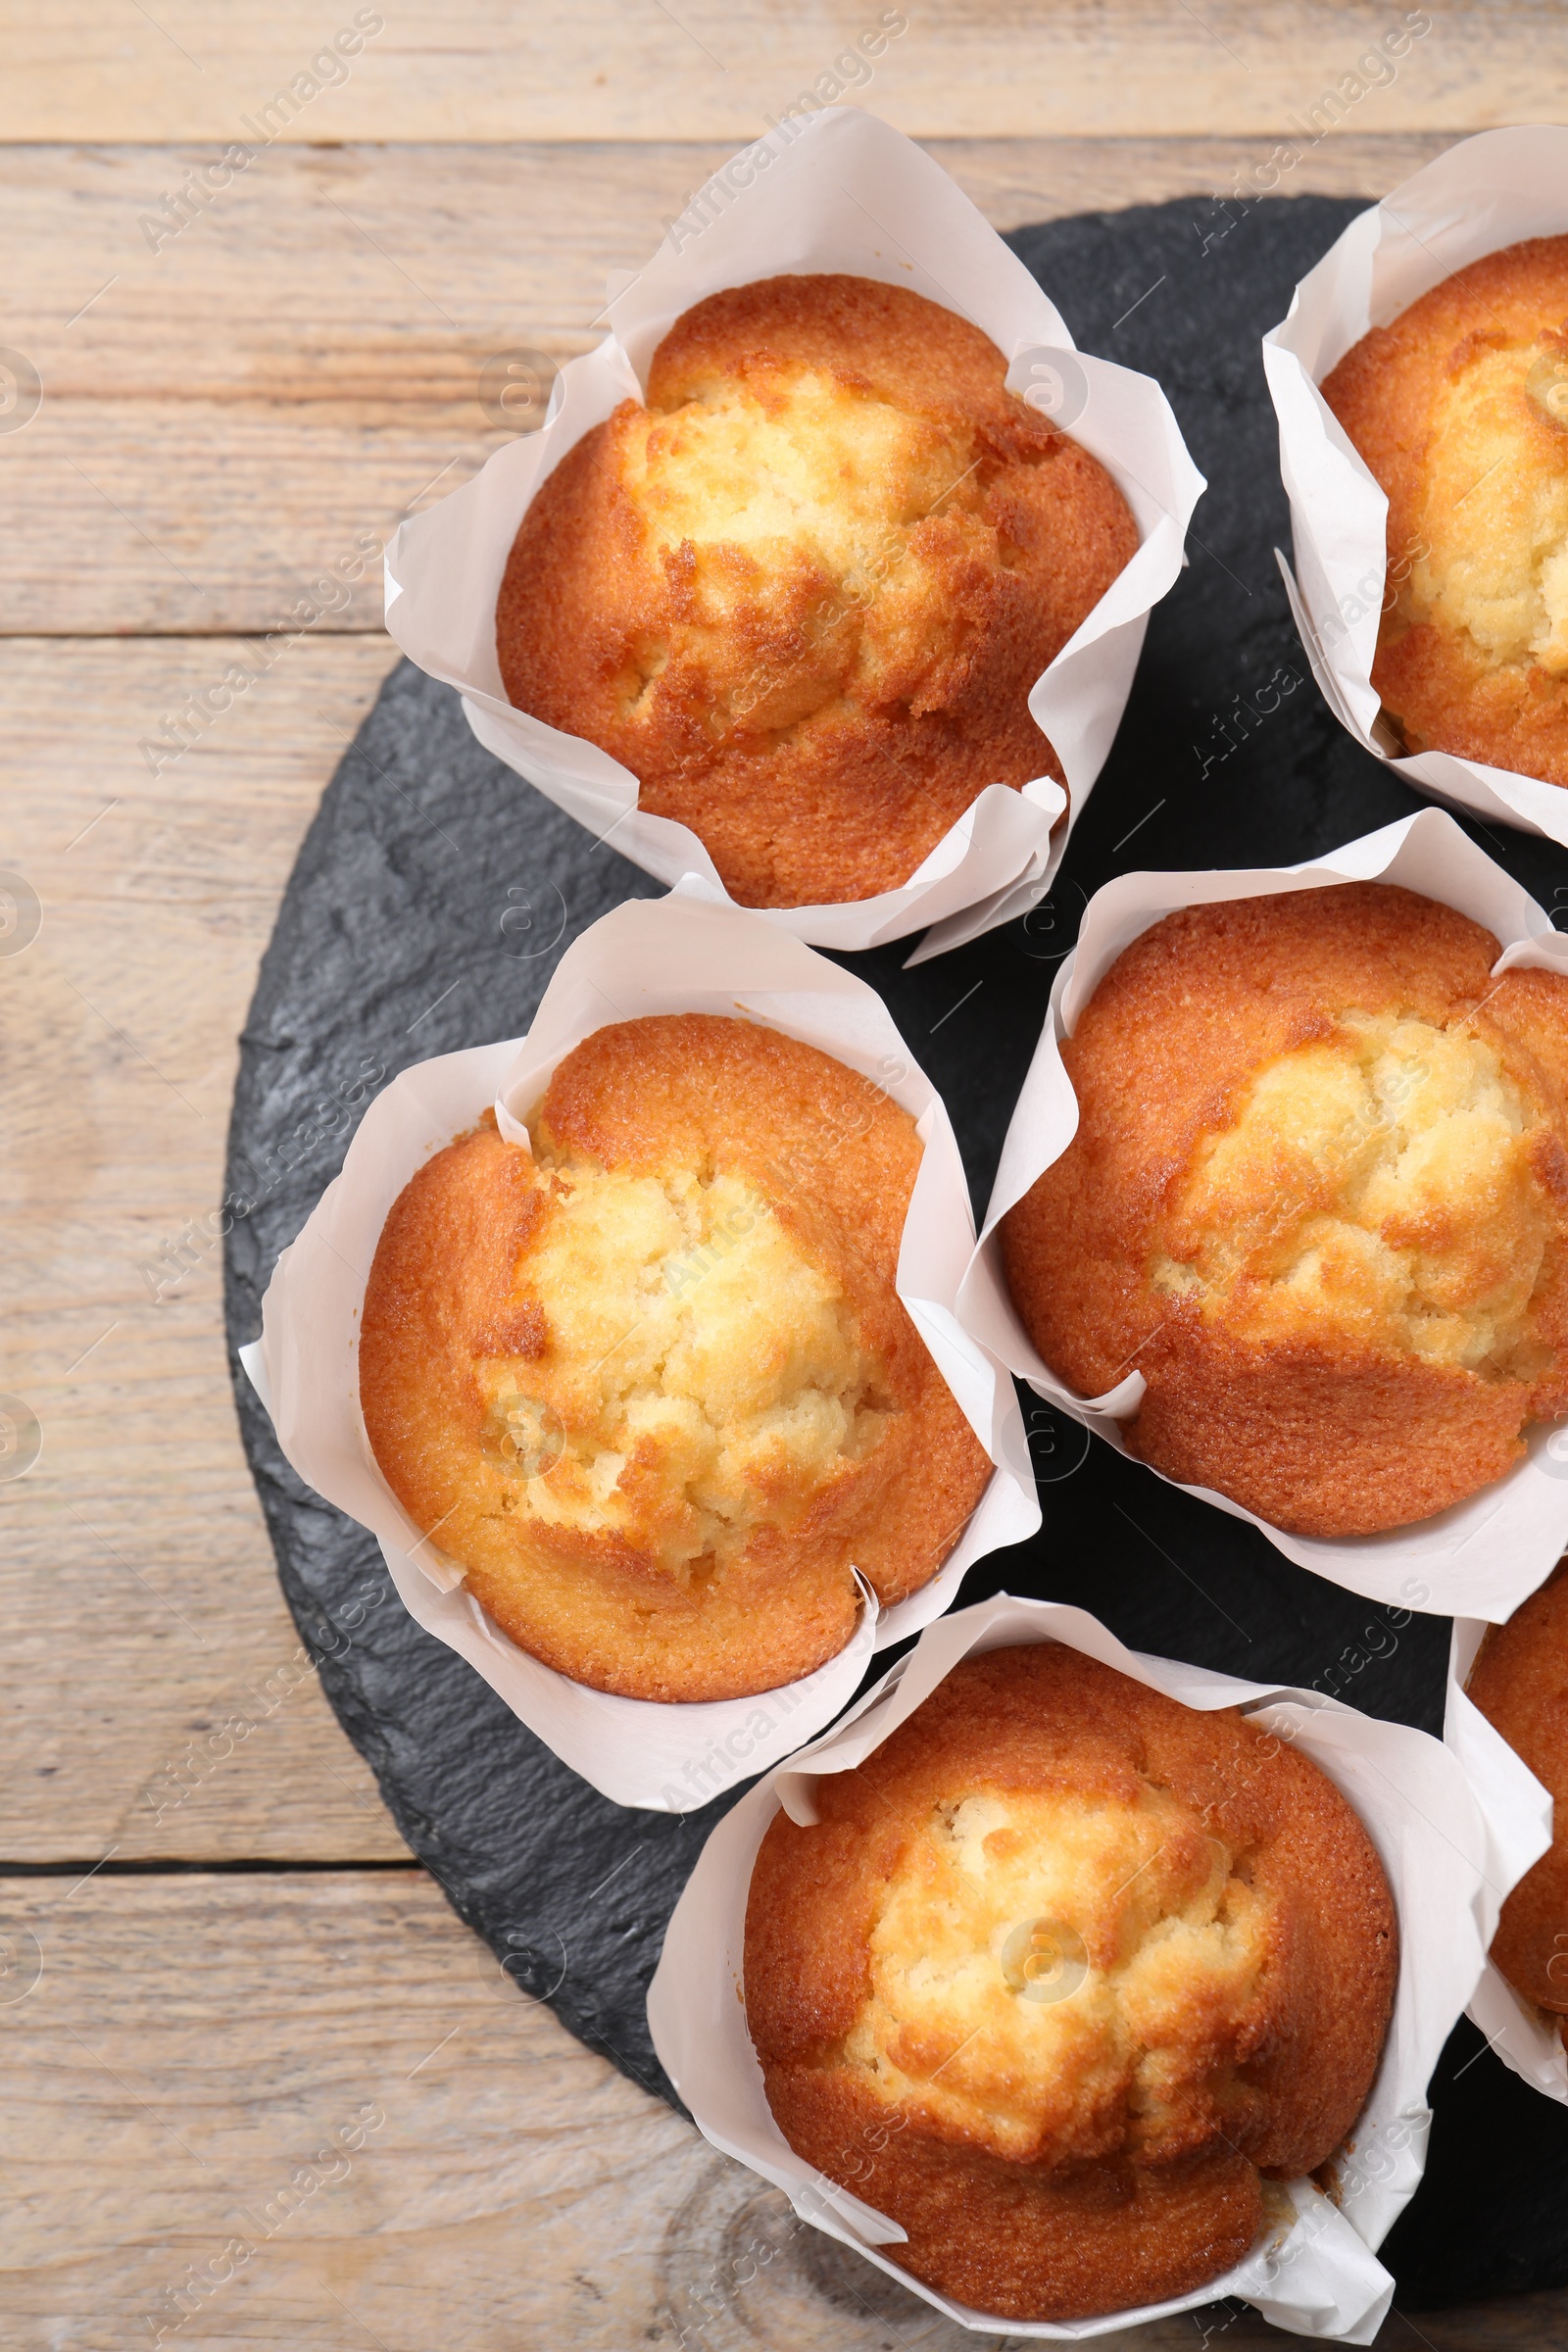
(1460, 409)
(650, 1385)
(1318, 1197)
(1064, 1979)
(804, 594)
(1520, 1683)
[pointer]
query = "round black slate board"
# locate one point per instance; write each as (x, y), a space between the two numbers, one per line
(432, 897)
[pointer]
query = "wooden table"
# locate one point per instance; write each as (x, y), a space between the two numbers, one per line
(235, 2013)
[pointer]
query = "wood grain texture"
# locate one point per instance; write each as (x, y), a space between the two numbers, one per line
(192, 2044)
(275, 386)
(226, 411)
(140, 1596)
(484, 69)
(318, 2097)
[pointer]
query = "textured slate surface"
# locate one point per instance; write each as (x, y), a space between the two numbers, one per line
(431, 900)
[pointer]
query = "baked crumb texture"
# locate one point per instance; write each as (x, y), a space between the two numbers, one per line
(1520, 1683)
(1318, 1197)
(1064, 1977)
(804, 594)
(651, 1386)
(1460, 409)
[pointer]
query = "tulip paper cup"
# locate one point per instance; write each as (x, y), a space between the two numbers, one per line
(841, 192)
(1442, 1840)
(1479, 1558)
(684, 953)
(1526, 2038)
(1486, 193)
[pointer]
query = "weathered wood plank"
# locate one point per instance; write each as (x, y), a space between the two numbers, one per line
(258, 402)
(483, 69)
(192, 2047)
(141, 1604)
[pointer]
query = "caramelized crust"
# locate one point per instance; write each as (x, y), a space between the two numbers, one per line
(1063, 1973)
(804, 595)
(1318, 1197)
(651, 1386)
(1520, 1683)
(1460, 409)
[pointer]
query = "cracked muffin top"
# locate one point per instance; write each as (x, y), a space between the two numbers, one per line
(650, 1385)
(1318, 1197)
(804, 594)
(1064, 1975)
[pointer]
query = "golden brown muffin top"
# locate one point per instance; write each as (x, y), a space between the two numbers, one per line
(1381, 1186)
(1520, 1683)
(1332, 1234)
(1061, 1973)
(804, 593)
(1461, 410)
(651, 1384)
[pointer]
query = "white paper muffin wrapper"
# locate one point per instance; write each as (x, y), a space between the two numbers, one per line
(848, 194)
(1523, 2036)
(1479, 1558)
(1486, 193)
(1453, 1847)
(682, 954)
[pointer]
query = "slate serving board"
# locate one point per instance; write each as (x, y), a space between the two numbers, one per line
(432, 897)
